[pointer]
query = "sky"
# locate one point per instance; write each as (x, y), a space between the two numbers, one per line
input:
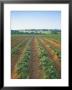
(35, 20)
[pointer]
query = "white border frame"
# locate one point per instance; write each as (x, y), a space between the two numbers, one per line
(64, 8)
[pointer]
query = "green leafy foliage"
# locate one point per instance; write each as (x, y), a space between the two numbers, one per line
(55, 36)
(58, 52)
(47, 64)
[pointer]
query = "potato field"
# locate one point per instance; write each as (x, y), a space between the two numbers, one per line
(36, 56)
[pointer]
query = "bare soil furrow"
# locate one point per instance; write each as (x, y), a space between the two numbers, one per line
(34, 67)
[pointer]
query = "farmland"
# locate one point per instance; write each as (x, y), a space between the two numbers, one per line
(36, 56)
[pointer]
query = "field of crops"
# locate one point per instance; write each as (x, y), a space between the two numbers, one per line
(35, 57)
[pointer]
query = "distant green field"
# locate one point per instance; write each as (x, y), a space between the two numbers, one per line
(54, 36)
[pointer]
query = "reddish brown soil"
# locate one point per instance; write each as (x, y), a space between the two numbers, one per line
(56, 41)
(34, 68)
(53, 43)
(15, 40)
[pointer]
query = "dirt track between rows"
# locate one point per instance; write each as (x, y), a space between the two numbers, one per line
(34, 67)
